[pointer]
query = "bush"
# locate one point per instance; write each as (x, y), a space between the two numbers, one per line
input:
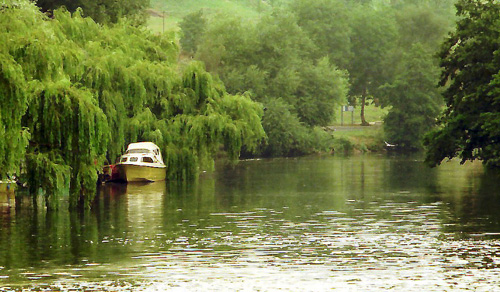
(342, 146)
(321, 141)
(286, 135)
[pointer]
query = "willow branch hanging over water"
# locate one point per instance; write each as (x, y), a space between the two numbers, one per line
(74, 93)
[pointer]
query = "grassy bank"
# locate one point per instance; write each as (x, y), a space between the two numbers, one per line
(166, 14)
(374, 115)
(359, 138)
(351, 137)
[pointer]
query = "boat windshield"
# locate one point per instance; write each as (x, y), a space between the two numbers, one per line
(138, 151)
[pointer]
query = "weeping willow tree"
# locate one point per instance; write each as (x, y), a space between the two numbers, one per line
(74, 93)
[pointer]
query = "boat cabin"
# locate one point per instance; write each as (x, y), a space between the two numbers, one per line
(142, 152)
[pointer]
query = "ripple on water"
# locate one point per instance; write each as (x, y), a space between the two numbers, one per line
(392, 245)
(396, 247)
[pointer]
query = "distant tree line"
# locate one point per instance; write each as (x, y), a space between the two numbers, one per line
(306, 58)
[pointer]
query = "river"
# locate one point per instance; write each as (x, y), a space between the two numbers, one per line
(360, 223)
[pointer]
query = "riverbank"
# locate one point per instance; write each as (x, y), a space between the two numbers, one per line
(351, 137)
(358, 139)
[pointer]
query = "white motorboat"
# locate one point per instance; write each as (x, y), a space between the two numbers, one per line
(142, 162)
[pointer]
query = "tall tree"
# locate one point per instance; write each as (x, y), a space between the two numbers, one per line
(373, 39)
(192, 27)
(414, 99)
(470, 58)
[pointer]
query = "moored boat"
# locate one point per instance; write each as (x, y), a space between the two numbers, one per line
(142, 162)
(7, 186)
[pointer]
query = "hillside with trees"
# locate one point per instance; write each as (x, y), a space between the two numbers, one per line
(261, 78)
(304, 59)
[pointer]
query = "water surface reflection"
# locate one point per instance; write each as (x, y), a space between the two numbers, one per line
(308, 224)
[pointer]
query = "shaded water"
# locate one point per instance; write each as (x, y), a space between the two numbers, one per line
(308, 224)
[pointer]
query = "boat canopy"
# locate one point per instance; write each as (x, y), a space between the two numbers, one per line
(144, 145)
(144, 148)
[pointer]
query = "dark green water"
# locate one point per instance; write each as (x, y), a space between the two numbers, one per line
(309, 224)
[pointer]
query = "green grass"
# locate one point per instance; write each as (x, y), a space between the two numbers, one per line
(361, 133)
(373, 114)
(370, 138)
(160, 24)
(174, 11)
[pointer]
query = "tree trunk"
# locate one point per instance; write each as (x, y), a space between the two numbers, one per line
(363, 120)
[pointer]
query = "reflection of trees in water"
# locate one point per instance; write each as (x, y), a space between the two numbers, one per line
(33, 237)
(297, 189)
(475, 207)
(408, 173)
(323, 182)
(472, 195)
(253, 183)
(302, 185)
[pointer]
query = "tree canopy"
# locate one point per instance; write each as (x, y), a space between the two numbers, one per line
(272, 59)
(75, 93)
(102, 11)
(326, 22)
(414, 98)
(192, 26)
(307, 58)
(469, 128)
(373, 39)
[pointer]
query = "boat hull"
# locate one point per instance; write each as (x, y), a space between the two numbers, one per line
(140, 173)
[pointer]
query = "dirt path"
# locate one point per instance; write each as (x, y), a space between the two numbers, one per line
(355, 127)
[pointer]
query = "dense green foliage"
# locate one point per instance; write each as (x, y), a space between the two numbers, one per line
(414, 99)
(193, 28)
(103, 11)
(75, 93)
(275, 59)
(383, 37)
(327, 24)
(469, 128)
(374, 36)
(411, 94)
(287, 136)
(314, 56)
